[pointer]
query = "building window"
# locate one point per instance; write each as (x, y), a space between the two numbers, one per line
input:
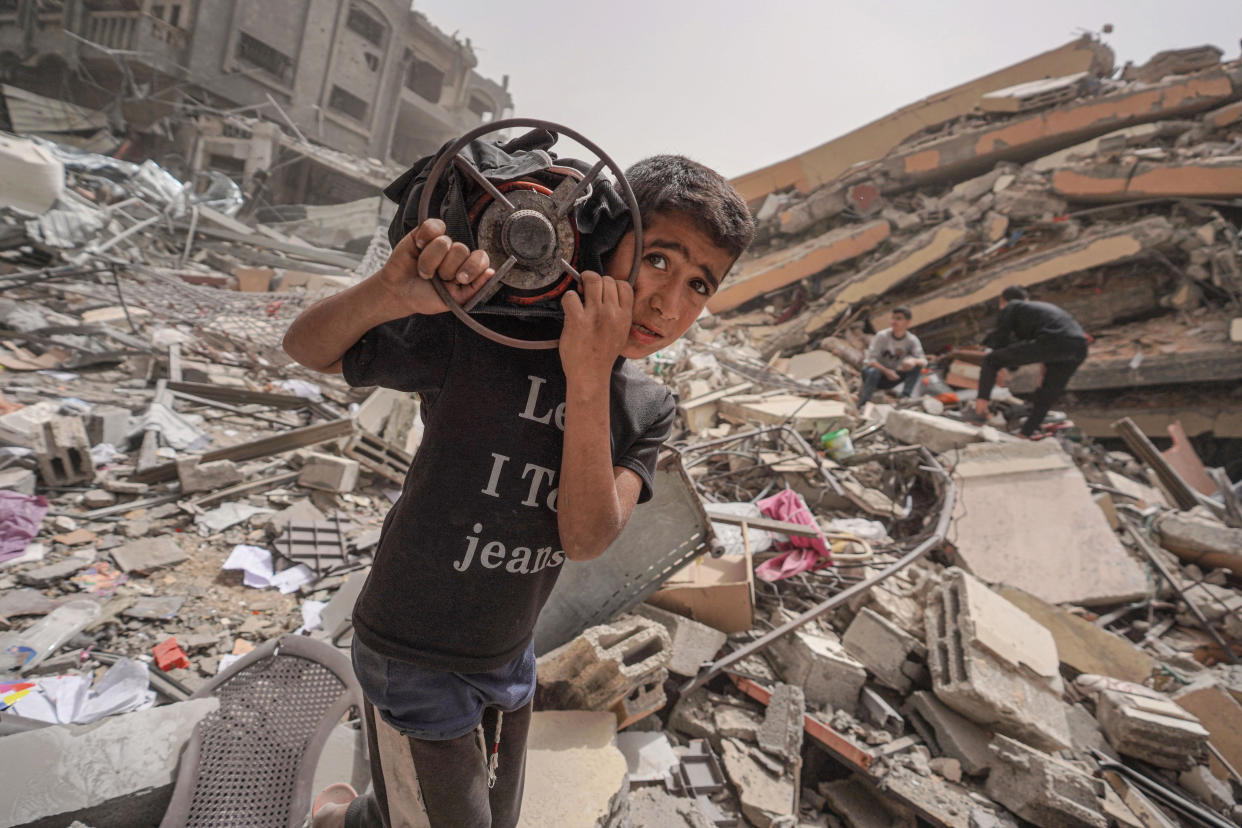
(348, 103)
(482, 107)
(257, 53)
(424, 80)
(372, 60)
(366, 25)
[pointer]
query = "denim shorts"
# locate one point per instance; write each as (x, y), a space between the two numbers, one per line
(436, 704)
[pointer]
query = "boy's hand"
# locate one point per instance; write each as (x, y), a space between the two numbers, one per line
(597, 325)
(424, 254)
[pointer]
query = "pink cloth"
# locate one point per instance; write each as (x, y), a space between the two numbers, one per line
(20, 516)
(799, 554)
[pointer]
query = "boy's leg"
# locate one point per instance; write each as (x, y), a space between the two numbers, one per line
(910, 381)
(1056, 377)
(506, 795)
(870, 381)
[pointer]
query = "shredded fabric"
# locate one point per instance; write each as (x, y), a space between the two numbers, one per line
(800, 554)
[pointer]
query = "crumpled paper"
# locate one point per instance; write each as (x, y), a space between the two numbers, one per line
(72, 699)
(256, 563)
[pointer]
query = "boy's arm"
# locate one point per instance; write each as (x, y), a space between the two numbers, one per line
(595, 498)
(1003, 332)
(322, 333)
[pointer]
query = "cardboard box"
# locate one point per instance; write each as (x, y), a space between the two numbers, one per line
(718, 592)
(253, 279)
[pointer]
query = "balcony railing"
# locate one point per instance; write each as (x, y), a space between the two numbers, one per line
(129, 31)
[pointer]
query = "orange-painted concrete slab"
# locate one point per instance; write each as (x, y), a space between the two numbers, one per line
(1210, 178)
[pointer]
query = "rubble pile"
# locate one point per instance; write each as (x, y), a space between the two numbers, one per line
(890, 616)
(1113, 197)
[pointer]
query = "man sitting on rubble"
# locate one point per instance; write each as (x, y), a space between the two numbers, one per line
(529, 458)
(894, 356)
(1028, 332)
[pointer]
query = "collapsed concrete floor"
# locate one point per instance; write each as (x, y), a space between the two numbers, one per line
(942, 625)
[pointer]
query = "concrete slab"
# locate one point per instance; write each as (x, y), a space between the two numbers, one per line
(937, 434)
(827, 674)
(1041, 788)
(891, 654)
(955, 735)
(693, 644)
(1081, 644)
(781, 731)
(147, 554)
(784, 267)
(1219, 712)
(1025, 518)
(1155, 730)
(1109, 182)
(575, 774)
(117, 771)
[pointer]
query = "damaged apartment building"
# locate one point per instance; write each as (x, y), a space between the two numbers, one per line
(306, 101)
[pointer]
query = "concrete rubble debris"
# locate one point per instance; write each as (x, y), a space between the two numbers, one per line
(993, 664)
(147, 402)
(1041, 788)
(619, 667)
(1157, 731)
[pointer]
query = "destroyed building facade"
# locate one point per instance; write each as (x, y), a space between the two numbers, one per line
(370, 79)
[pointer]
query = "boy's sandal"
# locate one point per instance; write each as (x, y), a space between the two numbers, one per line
(338, 793)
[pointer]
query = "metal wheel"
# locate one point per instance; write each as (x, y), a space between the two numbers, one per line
(530, 227)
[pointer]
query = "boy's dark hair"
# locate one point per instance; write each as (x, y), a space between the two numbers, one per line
(902, 310)
(1014, 293)
(675, 184)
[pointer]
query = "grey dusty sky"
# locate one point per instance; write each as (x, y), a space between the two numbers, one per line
(738, 84)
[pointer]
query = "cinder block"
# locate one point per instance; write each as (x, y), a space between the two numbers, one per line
(694, 644)
(329, 473)
(951, 732)
(1157, 731)
(197, 476)
(63, 451)
(1042, 789)
(117, 771)
(821, 667)
(107, 424)
(604, 666)
(896, 658)
(993, 663)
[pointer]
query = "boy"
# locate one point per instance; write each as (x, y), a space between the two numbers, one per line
(529, 458)
(894, 356)
(1029, 332)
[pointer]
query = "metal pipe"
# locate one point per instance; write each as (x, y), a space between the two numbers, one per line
(937, 537)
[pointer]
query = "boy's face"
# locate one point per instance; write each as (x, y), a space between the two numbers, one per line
(681, 269)
(899, 324)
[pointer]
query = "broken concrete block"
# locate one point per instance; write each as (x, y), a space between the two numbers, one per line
(117, 771)
(1033, 95)
(1219, 712)
(781, 731)
(599, 669)
(575, 774)
(329, 473)
(53, 573)
(827, 674)
(951, 732)
(63, 452)
(1041, 788)
(107, 424)
(98, 499)
(936, 434)
(197, 476)
(1155, 730)
(735, 723)
(993, 663)
(1204, 542)
(1172, 62)
(808, 415)
(692, 716)
(1057, 521)
(148, 554)
(17, 480)
(693, 644)
(765, 797)
(893, 656)
(784, 267)
(1082, 645)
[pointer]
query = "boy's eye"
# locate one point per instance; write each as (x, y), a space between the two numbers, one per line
(701, 287)
(657, 260)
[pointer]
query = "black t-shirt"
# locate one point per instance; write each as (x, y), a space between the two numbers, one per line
(1022, 320)
(470, 551)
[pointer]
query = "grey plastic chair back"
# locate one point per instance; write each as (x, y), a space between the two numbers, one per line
(251, 764)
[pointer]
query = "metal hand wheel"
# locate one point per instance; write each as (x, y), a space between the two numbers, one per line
(526, 228)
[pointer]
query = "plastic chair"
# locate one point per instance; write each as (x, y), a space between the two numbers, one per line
(252, 762)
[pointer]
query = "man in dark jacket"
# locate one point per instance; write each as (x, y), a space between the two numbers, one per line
(1029, 332)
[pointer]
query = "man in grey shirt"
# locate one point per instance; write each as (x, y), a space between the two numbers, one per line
(894, 356)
